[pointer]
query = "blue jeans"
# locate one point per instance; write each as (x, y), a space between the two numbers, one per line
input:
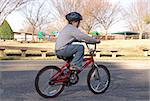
(75, 50)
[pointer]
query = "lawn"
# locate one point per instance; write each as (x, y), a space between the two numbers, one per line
(127, 49)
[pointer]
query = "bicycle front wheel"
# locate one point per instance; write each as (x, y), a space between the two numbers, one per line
(43, 84)
(98, 79)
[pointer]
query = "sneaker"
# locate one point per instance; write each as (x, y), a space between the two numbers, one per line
(75, 68)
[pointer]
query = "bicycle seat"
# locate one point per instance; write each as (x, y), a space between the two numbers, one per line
(65, 58)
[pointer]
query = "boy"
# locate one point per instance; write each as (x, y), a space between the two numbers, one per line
(70, 33)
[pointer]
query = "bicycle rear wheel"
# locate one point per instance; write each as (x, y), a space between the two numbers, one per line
(42, 82)
(98, 79)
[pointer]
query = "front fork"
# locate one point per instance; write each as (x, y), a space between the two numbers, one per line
(96, 72)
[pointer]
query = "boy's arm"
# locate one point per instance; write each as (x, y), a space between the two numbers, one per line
(82, 36)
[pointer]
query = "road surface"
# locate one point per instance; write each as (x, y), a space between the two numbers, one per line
(130, 81)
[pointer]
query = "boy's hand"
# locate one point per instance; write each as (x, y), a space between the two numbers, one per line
(98, 41)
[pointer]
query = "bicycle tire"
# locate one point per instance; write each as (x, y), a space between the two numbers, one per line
(37, 82)
(104, 68)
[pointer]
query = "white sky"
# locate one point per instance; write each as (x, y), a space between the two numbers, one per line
(16, 20)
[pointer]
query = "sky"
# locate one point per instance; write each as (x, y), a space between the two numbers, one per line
(16, 20)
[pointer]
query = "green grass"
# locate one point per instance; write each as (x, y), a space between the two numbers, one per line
(10, 58)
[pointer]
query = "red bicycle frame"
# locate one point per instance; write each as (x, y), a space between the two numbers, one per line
(58, 78)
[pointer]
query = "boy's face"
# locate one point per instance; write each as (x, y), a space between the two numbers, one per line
(76, 23)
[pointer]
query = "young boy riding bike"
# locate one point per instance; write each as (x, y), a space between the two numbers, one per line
(69, 34)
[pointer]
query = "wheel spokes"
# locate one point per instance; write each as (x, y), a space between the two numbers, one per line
(98, 85)
(51, 90)
(99, 80)
(47, 87)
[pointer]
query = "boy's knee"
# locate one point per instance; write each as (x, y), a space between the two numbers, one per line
(81, 47)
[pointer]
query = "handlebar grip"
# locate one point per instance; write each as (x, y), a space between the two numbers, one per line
(89, 43)
(98, 42)
(92, 42)
(78, 41)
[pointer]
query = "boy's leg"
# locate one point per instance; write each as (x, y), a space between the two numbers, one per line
(78, 51)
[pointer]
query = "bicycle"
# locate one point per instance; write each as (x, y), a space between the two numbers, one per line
(55, 78)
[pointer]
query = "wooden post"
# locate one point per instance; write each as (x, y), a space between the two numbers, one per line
(98, 54)
(23, 52)
(114, 53)
(2, 53)
(145, 52)
(43, 53)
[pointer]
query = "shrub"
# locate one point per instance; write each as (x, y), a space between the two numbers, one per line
(6, 32)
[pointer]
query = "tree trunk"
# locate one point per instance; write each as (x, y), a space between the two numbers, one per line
(1, 19)
(140, 35)
(88, 31)
(125, 35)
(33, 34)
(106, 34)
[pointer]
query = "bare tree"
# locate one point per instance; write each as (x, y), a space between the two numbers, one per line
(8, 6)
(37, 15)
(107, 15)
(90, 23)
(95, 12)
(135, 15)
(62, 7)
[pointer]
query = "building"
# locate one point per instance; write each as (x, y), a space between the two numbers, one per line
(126, 35)
(24, 36)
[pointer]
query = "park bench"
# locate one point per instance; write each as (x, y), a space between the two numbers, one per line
(113, 53)
(23, 50)
(145, 51)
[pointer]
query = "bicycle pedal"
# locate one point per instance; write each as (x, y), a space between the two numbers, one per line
(75, 71)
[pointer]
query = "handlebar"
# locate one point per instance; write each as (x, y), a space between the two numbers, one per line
(92, 43)
(87, 42)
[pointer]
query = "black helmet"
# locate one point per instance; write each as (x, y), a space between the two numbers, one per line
(73, 16)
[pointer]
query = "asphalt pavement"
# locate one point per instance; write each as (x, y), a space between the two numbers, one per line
(130, 81)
